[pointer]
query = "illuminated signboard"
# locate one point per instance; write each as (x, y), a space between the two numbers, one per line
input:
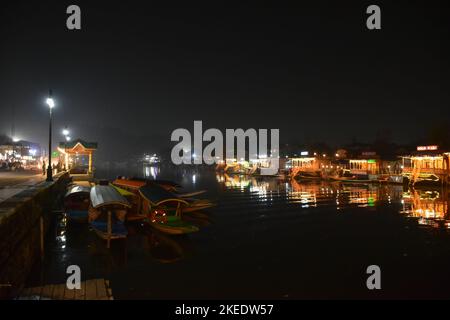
(304, 153)
(371, 161)
(426, 148)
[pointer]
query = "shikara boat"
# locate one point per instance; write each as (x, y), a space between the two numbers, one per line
(135, 211)
(76, 203)
(133, 186)
(136, 183)
(165, 210)
(107, 212)
(197, 204)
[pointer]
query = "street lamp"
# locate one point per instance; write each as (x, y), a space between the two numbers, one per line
(66, 132)
(51, 105)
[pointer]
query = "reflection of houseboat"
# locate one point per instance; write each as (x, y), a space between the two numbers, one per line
(427, 166)
(429, 207)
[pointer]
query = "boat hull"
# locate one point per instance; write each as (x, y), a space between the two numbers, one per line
(170, 229)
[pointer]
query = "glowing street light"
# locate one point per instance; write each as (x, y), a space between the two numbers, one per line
(50, 102)
(65, 132)
(68, 138)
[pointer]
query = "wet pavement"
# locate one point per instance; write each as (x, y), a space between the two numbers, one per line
(270, 238)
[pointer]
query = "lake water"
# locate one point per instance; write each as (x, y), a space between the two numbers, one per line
(271, 238)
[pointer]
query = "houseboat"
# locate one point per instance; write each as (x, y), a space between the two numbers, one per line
(428, 165)
(307, 168)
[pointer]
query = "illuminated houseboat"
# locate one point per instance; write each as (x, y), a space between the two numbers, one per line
(427, 166)
(229, 166)
(261, 166)
(307, 167)
(371, 168)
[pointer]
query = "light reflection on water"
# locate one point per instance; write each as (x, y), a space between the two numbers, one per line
(253, 219)
(429, 207)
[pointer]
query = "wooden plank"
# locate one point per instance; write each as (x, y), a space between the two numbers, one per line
(80, 294)
(69, 294)
(91, 289)
(58, 291)
(94, 289)
(35, 291)
(101, 290)
(109, 290)
(47, 292)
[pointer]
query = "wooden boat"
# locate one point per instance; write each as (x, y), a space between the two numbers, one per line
(348, 177)
(173, 225)
(133, 186)
(165, 210)
(308, 175)
(107, 212)
(135, 211)
(76, 203)
(136, 183)
(197, 204)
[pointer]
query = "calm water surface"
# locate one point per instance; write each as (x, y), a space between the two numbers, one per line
(271, 238)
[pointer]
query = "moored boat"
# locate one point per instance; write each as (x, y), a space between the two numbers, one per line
(133, 185)
(107, 212)
(76, 203)
(165, 209)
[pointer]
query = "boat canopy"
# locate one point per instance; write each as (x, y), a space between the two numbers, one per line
(123, 192)
(107, 195)
(76, 189)
(158, 195)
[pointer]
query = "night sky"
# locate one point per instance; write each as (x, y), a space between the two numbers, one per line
(138, 70)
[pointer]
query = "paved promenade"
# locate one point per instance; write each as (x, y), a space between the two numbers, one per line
(12, 183)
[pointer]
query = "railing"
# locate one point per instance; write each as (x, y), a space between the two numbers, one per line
(410, 170)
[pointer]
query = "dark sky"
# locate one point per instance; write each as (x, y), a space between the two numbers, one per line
(138, 70)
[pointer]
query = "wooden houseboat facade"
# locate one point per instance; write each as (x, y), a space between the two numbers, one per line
(427, 167)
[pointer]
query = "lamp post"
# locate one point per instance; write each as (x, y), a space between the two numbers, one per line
(66, 133)
(50, 104)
